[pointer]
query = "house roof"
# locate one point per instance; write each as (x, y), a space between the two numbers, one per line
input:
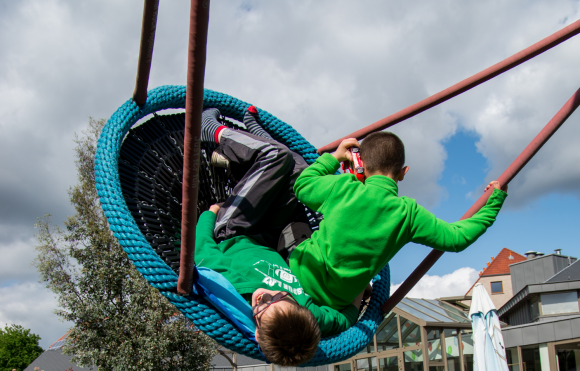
(570, 273)
(54, 360)
(501, 263)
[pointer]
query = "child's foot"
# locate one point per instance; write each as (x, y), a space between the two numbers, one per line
(210, 126)
(251, 121)
(219, 160)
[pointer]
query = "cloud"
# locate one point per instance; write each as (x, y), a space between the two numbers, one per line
(452, 284)
(32, 306)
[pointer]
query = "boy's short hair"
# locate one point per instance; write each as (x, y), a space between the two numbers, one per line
(289, 337)
(383, 152)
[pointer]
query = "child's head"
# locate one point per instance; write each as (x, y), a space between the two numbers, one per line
(288, 334)
(383, 153)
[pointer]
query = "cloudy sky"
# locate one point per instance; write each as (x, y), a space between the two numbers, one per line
(327, 68)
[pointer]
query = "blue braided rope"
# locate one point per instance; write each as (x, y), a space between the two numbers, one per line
(331, 349)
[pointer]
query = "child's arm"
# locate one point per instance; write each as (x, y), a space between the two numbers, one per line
(426, 229)
(317, 181)
(205, 245)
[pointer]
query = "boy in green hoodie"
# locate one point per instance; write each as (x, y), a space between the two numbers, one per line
(366, 224)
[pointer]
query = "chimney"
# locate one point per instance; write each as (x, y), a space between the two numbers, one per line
(538, 254)
(558, 251)
(530, 254)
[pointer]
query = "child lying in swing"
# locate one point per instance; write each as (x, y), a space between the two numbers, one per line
(247, 229)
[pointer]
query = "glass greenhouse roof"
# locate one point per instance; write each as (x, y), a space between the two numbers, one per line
(432, 310)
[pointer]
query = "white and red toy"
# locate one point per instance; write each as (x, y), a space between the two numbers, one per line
(354, 166)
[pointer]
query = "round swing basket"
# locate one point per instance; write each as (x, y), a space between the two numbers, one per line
(138, 172)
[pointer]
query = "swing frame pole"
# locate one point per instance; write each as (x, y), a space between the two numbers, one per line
(507, 176)
(198, 29)
(148, 27)
(462, 86)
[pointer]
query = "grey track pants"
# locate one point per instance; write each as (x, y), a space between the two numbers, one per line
(263, 201)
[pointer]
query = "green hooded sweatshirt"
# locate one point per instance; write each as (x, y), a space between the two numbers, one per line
(364, 226)
(249, 266)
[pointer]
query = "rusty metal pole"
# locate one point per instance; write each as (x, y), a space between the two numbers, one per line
(471, 82)
(150, 10)
(505, 178)
(198, 24)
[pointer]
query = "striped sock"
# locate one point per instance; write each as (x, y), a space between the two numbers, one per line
(251, 121)
(210, 125)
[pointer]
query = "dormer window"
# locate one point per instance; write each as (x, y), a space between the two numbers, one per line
(497, 287)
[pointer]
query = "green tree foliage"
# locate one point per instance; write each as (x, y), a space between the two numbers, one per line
(18, 348)
(120, 322)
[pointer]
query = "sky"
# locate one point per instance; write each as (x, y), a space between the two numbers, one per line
(327, 68)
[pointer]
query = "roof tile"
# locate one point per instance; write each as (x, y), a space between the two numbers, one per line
(501, 263)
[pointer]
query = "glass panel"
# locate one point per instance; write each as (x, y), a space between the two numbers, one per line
(342, 367)
(362, 364)
(496, 287)
(365, 350)
(410, 333)
(535, 309)
(452, 350)
(568, 359)
(434, 344)
(431, 317)
(436, 368)
(413, 360)
(467, 348)
(531, 358)
(563, 302)
(388, 364)
(458, 317)
(374, 364)
(468, 362)
(447, 306)
(388, 335)
(512, 359)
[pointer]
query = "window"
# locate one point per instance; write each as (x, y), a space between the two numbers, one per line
(467, 348)
(497, 287)
(562, 302)
(342, 367)
(534, 309)
(413, 360)
(410, 333)
(452, 350)
(388, 335)
(389, 364)
(513, 360)
(434, 344)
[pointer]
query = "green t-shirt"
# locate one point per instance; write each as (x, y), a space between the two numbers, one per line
(364, 226)
(249, 266)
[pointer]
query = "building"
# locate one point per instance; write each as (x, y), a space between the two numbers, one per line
(544, 314)
(496, 277)
(52, 359)
(419, 334)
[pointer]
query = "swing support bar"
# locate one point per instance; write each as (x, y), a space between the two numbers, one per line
(198, 25)
(518, 164)
(150, 11)
(462, 86)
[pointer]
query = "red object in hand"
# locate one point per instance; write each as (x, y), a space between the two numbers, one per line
(354, 166)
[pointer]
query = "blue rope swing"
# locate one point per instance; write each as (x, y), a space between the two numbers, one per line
(159, 275)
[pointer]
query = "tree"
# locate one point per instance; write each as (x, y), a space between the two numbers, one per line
(18, 348)
(120, 322)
